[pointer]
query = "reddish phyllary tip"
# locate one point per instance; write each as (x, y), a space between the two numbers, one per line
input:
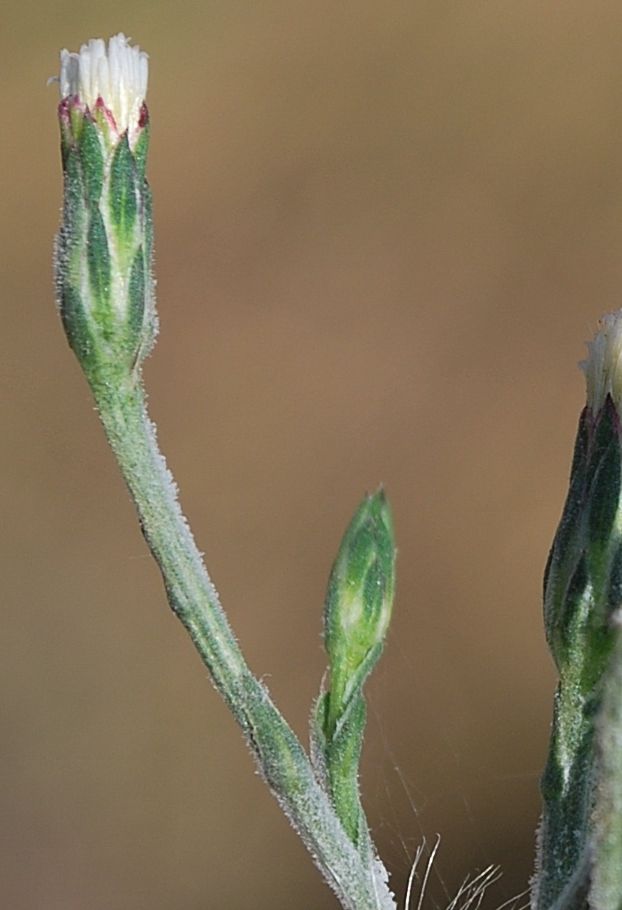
(102, 111)
(63, 110)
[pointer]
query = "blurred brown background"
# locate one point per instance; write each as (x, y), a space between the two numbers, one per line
(384, 231)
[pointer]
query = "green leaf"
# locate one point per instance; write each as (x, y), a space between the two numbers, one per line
(343, 755)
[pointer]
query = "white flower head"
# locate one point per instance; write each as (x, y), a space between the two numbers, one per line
(116, 75)
(603, 366)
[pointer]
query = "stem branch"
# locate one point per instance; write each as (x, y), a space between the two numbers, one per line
(193, 597)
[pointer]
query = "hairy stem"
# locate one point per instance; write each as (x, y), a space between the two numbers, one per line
(192, 596)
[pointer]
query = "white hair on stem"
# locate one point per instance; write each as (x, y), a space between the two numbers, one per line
(413, 873)
(117, 75)
(469, 895)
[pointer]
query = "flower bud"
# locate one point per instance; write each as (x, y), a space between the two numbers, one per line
(104, 246)
(359, 601)
(582, 599)
(356, 617)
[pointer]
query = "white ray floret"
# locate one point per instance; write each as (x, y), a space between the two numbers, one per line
(603, 365)
(117, 74)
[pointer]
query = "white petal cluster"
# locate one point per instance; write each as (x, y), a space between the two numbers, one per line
(603, 366)
(118, 75)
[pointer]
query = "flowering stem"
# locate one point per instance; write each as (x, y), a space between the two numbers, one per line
(192, 596)
(106, 299)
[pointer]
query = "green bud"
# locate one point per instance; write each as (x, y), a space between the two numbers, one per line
(104, 246)
(357, 614)
(582, 597)
(359, 600)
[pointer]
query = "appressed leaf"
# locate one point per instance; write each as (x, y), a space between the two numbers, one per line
(343, 755)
